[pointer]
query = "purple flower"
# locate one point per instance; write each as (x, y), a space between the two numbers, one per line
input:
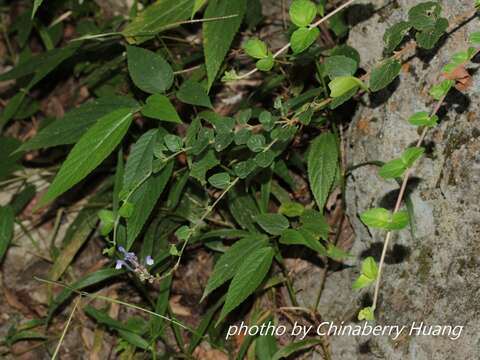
(149, 261)
(120, 264)
(128, 256)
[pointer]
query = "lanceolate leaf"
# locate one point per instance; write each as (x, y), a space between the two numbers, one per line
(139, 163)
(92, 148)
(228, 264)
(74, 124)
(157, 17)
(248, 277)
(7, 218)
(144, 199)
(322, 166)
(218, 34)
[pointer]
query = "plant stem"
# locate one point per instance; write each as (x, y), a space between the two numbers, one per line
(403, 188)
(287, 45)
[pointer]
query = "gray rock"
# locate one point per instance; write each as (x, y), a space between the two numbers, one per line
(433, 276)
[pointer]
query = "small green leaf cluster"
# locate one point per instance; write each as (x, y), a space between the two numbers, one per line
(257, 49)
(302, 13)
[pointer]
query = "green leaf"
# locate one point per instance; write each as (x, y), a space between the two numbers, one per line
(220, 180)
(7, 220)
(322, 165)
(265, 64)
(340, 65)
(366, 313)
(291, 209)
(126, 210)
(295, 237)
(362, 282)
(92, 148)
(264, 158)
(474, 38)
(302, 12)
(218, 34)
(376, 218)
(157, 17)
(394, 35)
(173, 142)
(36, 5)
(207, 161)
(256, 48)
(191, 92)
(107, 221)
(428, 38)
(9, 148)
(144, 200)
(241, 136)
(149, 71)
(343, 84)
(302, 38)
(369, 268)
(336, 253)
(229, 263)
(249, 276)
(256, 142)
(399, 221)
(243, 208)
(411, 155)
(440, 90)
(384, 74)
(139, 162)
(424, 16)
(294, 347)
(77, 121)
(273, 223)
(87, 280)
(159, 107)
(392, 169)
(423, 118)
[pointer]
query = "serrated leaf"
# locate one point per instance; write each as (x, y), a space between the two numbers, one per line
(384, 74)
(191, 92)
(157, 17)
(315, 223)
(228, 264)
(173, 142)
(394, 35)
(144, 199)
(92, 148)
(149, 71)
(370, 268)
(256, 48)
(424, 16)
(302, 38)
(362, 282)
(429, 37)
(248, 277)
(264, 159)
(7, 220)
(76, 122)
(291, 209)
(139, 162)
(340, 65)
(295, 237)
(159, 107)
(218, 34)
(322, 165)
(273, 224)
(302, 12)
(220, 180)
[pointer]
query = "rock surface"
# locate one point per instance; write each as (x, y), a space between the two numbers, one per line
(433, 276)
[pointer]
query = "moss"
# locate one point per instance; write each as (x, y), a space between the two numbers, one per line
(424, 263)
